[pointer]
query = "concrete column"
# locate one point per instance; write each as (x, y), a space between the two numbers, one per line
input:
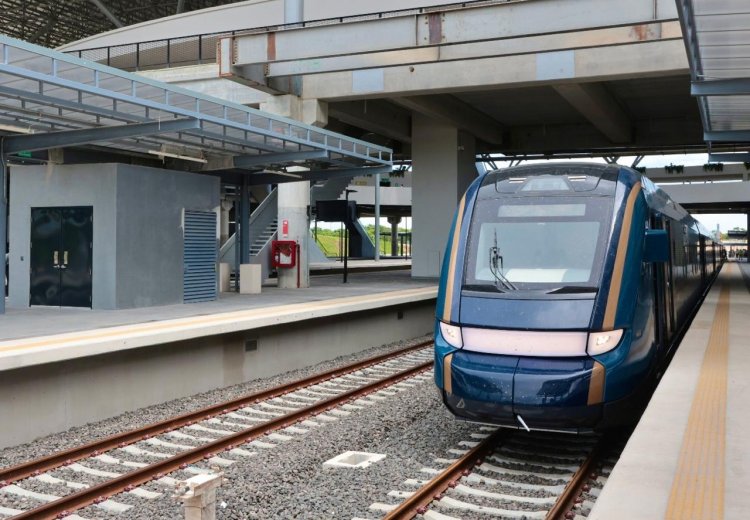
(377, 217)
(294, 11)
(443, 162)
(226, 206)
(294, 198)
(309, 111)
(394, 221)
(747, 245)
(3, 225)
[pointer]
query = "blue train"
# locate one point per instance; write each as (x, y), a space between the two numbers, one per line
(564, 290)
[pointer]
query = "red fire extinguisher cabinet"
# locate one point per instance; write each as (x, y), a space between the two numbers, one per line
(284, 253)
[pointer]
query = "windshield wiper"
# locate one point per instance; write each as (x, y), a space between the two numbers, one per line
(573, 289)
(496, 268)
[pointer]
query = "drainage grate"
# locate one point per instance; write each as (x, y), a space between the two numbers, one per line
(354, 459)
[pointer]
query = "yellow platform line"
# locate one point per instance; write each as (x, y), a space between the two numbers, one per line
(698, 487)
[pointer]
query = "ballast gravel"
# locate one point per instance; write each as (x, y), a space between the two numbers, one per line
(289, 481)
(87, 433)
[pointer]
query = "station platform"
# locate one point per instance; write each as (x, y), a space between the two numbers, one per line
(39, 335)
(65, 367)
(361, 266)
(689, 456)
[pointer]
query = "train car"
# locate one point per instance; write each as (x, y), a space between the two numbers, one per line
(564, 289)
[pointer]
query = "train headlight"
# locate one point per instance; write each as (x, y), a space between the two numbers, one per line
(601, 342)
(452, 335)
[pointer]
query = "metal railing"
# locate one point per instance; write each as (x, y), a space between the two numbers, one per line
(200, 49)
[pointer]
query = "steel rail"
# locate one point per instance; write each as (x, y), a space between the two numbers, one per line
(417, 503)
(129, 481)
(55, 460)
(567, 498)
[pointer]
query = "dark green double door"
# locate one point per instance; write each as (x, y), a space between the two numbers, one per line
(61, 256)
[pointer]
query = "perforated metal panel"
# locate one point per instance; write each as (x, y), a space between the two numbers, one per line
(200, 255)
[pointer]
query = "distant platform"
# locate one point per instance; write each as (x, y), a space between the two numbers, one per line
(689, 455)
(361, 266)
(48, 334)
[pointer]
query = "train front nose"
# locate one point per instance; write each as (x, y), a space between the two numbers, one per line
(481, 387)
(548, 393)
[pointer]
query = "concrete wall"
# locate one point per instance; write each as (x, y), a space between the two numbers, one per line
(49, 398)
(388, 196)
(242, 15)
(40, 186)
(150, 203)
(138, 249)
(260, 13)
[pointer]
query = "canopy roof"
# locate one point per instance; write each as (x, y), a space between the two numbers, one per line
(53, 100)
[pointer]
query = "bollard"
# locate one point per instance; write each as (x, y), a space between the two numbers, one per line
(199, 497)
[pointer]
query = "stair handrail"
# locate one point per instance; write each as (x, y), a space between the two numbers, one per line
(272, 198)
(261, 210)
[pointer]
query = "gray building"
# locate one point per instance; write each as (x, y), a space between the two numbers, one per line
(115, 235)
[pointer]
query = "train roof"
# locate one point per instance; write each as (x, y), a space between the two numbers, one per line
(588, 177)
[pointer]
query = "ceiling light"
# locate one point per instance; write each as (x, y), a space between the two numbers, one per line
(14, 128)
(285, 174)
(178, 156)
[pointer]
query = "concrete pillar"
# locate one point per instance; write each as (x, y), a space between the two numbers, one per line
(294, 11)
(747, 245)
(443, 162)
(226, 206)
(294, 198)
(394, 221)
(308, 111)
(3, 225)
(377, 217)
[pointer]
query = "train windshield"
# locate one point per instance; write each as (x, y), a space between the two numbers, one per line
(553, 245)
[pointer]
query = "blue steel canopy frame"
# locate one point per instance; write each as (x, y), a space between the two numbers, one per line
(42, 90)
(49, 99)
(715, 34)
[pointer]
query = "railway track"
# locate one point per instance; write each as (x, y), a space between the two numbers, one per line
(180, 444)
(506, 474)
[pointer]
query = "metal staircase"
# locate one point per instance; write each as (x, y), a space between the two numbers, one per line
(263, 238)
(263, 227)
(264, 224)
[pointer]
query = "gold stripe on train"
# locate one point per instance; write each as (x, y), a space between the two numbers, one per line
(448, 305)
(622, 251)
(596, 386)
(447, 375)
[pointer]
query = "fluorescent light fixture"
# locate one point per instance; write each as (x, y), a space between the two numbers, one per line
(14, 128)
(285, 174)
(178, 156)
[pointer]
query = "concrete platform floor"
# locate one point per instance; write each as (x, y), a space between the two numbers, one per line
(689, 456)
(43, 321)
